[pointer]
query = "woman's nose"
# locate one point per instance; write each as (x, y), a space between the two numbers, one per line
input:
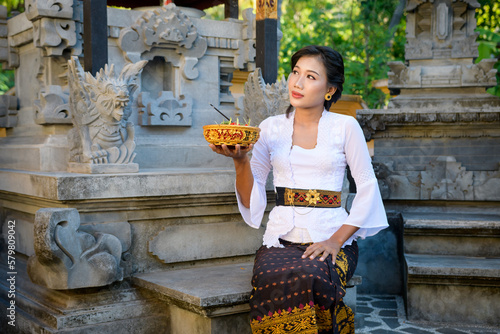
(298, 83)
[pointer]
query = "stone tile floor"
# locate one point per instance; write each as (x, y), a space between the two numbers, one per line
(386, 315)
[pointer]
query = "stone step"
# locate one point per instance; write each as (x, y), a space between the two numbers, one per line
(215, 290)
(445, 288)
(77, 319)
(452, 234)
(211, 297)
(80, 310)
(147, 324)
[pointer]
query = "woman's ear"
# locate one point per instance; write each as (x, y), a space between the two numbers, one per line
(332, 90)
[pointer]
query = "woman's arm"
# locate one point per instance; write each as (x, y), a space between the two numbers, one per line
(332, 245)
(244, 176)
(244, 179)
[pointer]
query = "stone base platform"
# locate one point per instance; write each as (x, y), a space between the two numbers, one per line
(74, 167)
(117, 308)
(214, 299)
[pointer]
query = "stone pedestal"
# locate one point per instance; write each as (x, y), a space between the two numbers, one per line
(436, 151)
(74, 167)
(176, 219)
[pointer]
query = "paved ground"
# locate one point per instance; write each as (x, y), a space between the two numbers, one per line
(386, 315)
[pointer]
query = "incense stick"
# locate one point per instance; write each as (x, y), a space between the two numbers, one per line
(220, 112)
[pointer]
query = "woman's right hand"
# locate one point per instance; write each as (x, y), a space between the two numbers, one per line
(237, 153)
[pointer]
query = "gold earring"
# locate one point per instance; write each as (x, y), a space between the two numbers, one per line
(328, 96)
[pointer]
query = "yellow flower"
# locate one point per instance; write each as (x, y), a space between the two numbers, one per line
(289, 196)
(312, 196)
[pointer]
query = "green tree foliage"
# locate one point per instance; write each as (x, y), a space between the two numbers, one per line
(7, 76)
(368, 33)
(359, 30)
(488, 22)
(13, 5)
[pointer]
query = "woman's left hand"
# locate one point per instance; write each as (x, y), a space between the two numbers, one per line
(325, 248)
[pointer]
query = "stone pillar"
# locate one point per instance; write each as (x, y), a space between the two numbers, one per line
(438, 138)
(267, 39)
(56, 33)
(440, 51)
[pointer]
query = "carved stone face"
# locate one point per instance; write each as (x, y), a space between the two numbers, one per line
(112, 103)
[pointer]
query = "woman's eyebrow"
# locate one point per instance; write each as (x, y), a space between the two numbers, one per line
(296, 66)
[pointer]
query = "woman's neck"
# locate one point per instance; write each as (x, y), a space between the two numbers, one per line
(308, 116)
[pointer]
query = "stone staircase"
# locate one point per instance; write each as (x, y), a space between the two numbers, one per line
(118, 307)
(452, 267)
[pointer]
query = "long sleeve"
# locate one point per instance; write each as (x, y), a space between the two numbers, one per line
(367, 211)
(261, 166)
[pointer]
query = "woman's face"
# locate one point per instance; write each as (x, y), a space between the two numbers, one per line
(307, 84)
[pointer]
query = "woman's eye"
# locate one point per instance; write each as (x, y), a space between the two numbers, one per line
(311, 77)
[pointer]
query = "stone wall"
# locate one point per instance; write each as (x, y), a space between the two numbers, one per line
(190, 61)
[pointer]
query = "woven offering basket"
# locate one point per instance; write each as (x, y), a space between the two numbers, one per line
(231, 135)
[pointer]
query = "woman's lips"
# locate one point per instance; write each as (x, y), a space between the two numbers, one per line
(296, 95)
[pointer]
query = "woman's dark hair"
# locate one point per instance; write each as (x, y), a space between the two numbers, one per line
(334, 65)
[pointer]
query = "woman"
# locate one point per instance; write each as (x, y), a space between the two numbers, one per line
(309, 250)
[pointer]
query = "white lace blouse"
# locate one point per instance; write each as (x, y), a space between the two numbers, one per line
(340, 142)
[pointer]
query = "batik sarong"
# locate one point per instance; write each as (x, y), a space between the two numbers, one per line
(295, 295)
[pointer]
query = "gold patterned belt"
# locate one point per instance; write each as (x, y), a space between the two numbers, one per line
(307, 198)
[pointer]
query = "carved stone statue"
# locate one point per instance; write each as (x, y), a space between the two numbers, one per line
(102, 140)
(67, 258)
(263, 100)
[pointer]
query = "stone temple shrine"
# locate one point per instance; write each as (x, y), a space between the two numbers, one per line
(116, 217)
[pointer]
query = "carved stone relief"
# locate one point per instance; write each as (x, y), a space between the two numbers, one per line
(36, 9)
(446, 179)
(486, 185)
(158, 105)
(441, 30)
(165, 33)
(57, 27)
(165, 26)
(54, 35)
(52, 106)
(246, 53)
(8, 111)
(372, 121)
(443, 179)
(481, 74)
(474, 75)
(102, 140)
(164, 109)
(8, 51)
(263, 100)
(404, 76)
(4, 50)
(68, 258)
